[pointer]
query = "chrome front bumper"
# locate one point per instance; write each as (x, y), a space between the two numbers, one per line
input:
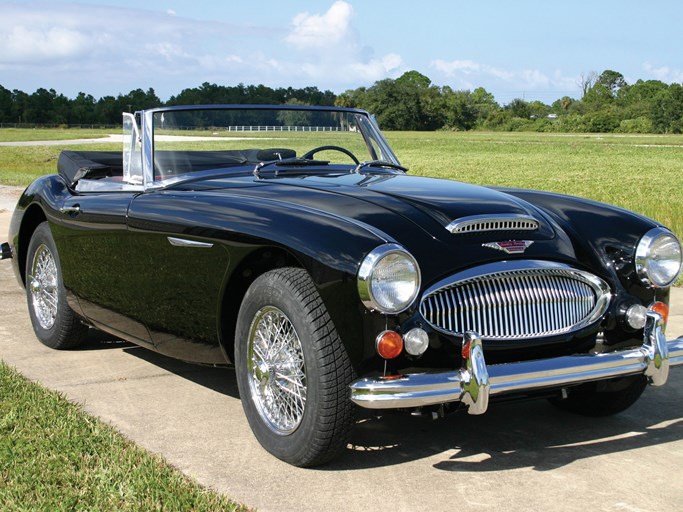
(475, 382)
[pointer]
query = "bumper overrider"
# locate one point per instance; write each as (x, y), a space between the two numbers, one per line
(475, 382)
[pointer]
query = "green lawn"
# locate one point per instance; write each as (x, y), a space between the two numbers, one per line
(33, 134)
(20, 165)
(53, 456)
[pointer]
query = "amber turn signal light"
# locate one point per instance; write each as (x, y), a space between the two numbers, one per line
(466, 351)
(662, 309)
(389, 344)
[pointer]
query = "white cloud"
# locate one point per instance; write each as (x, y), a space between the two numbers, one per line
(38, 44)
(327, 48)
(66, 31)
(455, 68)
(465, 73)
(663, 73)
(63, 45)
(319, 30)
(376, 69)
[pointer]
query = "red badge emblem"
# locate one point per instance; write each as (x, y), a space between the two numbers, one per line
(510, 247)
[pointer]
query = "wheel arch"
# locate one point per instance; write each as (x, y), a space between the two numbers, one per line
(33, 216)
(329, 247)
(257, 263)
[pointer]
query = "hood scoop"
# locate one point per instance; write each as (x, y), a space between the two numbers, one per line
(493, 223)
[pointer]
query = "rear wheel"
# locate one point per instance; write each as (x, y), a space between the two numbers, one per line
(292, 370)
(603, 398)
(54, 322)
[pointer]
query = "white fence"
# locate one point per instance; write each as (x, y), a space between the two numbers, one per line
(285, 129)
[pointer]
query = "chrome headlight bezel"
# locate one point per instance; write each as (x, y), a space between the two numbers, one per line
(368, 287)
(648, 267)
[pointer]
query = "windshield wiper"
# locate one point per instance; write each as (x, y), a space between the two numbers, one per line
(379, 164)
(289, 162)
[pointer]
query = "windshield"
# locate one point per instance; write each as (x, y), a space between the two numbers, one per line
(200, 139)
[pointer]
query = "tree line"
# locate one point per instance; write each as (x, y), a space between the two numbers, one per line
(51, 108)
(607, 103)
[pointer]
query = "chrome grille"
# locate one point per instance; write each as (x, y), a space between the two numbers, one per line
(487, 223)
(517, 304)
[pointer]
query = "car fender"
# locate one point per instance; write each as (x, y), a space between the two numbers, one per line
(40, 201)
(329, 246)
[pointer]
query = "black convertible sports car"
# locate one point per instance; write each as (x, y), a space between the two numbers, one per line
(290, 243)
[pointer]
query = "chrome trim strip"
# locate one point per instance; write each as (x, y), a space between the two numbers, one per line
(652, 359)
(493, 222)
(182, 242)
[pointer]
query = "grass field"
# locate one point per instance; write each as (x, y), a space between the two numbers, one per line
(33, 134)
(55, 457)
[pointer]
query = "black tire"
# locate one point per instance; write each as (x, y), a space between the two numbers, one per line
(307, 377)
(54, 322)
(603, 398)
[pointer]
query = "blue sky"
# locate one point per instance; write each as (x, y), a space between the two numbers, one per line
(521, 49)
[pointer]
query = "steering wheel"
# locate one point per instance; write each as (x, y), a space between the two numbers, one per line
(308, 155)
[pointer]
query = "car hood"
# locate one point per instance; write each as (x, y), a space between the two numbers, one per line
(430, 204)
(443, 200)
(413, 211)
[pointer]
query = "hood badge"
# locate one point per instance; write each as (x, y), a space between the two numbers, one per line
(510, 247)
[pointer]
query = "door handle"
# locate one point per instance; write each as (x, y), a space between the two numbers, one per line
(71, 210)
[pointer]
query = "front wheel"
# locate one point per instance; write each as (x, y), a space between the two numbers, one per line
(54, 322)
(603, 398)
(292, 370)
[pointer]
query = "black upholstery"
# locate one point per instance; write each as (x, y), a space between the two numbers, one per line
(95, 165)
(92, 165)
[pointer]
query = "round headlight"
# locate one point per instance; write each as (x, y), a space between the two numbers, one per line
(388, 279)
(658, 258)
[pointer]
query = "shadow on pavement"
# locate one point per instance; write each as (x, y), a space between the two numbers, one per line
(514, 435)
(100, 340)
(222, 380)
(511, 435)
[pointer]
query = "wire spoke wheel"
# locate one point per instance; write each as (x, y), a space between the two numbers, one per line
(293, 371)
(277, 370)
(53, 321)
(43, 287)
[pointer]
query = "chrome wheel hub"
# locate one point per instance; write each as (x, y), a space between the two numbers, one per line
(42, 281)
(277, 373)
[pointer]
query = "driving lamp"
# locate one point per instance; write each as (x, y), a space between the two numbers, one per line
(388, 279)
(658, 258)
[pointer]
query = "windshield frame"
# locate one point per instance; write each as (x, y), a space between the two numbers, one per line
(366, 124)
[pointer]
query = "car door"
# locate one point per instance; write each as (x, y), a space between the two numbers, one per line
(95, 253)
(182, 270)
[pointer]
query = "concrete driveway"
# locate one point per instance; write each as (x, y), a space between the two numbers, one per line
(518, 457)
